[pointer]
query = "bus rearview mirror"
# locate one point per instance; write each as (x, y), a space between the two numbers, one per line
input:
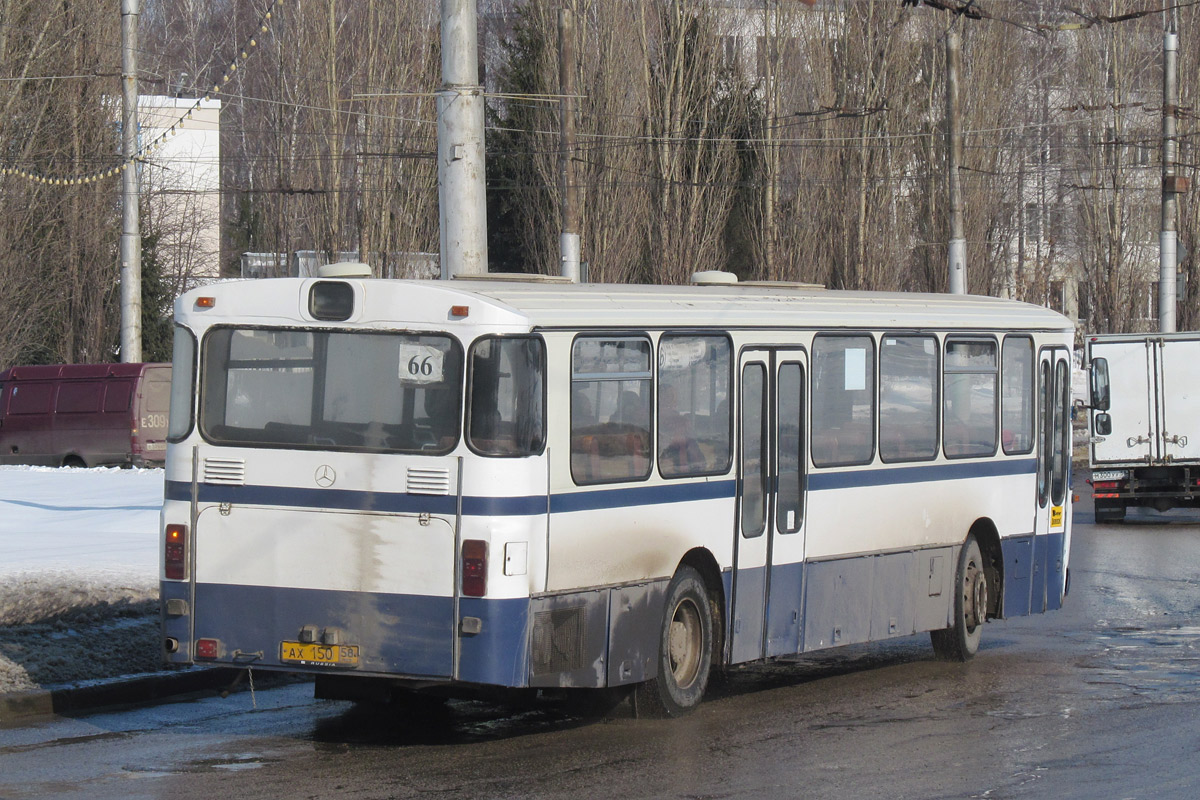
(1100, 388)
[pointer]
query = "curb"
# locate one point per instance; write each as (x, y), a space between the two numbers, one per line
(41, 703)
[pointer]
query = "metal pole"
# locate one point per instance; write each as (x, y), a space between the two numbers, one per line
(957, 251)
(569, 239)
(131, 239)
(461, 200)
(1167, 267)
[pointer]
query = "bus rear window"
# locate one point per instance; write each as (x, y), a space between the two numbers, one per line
(334, 390)
(507, 388)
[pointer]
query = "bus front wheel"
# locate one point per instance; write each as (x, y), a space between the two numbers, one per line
(684, 650)
(960, 641)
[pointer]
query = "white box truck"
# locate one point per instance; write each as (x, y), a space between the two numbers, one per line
(1144, 421)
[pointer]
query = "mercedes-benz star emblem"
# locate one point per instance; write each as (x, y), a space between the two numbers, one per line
(325, 475)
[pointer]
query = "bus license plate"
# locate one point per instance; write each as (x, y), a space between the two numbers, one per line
(319, 655)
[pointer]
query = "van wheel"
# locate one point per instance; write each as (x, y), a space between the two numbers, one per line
(684, 651)
(74, 462)
(960, 641)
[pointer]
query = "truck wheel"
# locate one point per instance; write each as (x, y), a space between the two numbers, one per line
(1110, 511)
(684, 651)
(960, 641)
(74, 462)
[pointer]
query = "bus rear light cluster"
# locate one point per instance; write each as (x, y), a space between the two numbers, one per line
(175, 553)
(474, 568)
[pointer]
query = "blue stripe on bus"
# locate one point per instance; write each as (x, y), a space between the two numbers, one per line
(642, 496)
(590, 500)
(818, 481)
(296, 497)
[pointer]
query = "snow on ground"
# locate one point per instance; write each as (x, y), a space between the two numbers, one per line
(78, 574)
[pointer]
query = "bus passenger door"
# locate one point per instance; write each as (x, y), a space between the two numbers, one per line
(768, 553)
(1053, 479)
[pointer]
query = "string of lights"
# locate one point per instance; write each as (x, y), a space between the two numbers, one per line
(264, 27)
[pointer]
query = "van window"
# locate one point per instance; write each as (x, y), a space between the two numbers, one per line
(30, 398)
(116, 396)
(79, 398)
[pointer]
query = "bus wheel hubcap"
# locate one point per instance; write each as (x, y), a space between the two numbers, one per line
(683, 643)
(977, 596)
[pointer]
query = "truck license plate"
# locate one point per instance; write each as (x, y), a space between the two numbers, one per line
(318, 655)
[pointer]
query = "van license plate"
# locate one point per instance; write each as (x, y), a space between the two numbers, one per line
(319, 655)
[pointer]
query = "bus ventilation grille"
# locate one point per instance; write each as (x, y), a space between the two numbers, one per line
(228, 471)
(428, 481)
(558, 640)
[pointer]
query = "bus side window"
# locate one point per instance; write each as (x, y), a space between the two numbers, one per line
(693, 405)
(908, 406)
(611, 396)
(507, 397)
(843, 400)
(969, 409)
(1016, 400)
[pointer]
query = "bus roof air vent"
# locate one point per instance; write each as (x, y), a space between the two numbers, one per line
(345, 269)
(713, 277)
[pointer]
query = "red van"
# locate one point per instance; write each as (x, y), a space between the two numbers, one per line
(84, 415)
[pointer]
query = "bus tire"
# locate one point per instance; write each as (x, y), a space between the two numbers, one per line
(960, 641)
(684, 650)
(74, 462)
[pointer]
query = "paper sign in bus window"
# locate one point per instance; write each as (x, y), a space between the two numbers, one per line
(856, 369)
(420, 364)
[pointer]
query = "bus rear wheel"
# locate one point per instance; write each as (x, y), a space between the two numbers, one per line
(960, 641)
(684, 651)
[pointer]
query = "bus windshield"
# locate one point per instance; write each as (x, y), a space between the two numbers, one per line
(331, 390)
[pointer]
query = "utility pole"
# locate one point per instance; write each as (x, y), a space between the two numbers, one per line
(1167, 267)
(461, 200)
(957, 251)
(568, 240)
(131, 239)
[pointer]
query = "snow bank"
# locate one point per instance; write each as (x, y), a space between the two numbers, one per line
(78, 574)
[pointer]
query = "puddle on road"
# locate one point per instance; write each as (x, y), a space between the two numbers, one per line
(1162, 663)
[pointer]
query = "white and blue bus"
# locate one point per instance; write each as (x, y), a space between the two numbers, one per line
(453, 486)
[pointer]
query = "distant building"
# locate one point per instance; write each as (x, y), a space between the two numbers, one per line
(181, 183)
(306, 263)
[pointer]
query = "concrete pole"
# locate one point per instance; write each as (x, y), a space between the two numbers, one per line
(462, 203)
(131, 238)
(1167, 267)
(569, 238)
(957, 251)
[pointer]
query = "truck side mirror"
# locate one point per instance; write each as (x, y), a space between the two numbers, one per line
(1103, 425)
(1100, 393)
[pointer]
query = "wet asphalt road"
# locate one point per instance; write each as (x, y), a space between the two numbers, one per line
(1100, 699)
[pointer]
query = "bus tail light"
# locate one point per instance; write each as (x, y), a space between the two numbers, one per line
(474, 567)
(175, 552)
